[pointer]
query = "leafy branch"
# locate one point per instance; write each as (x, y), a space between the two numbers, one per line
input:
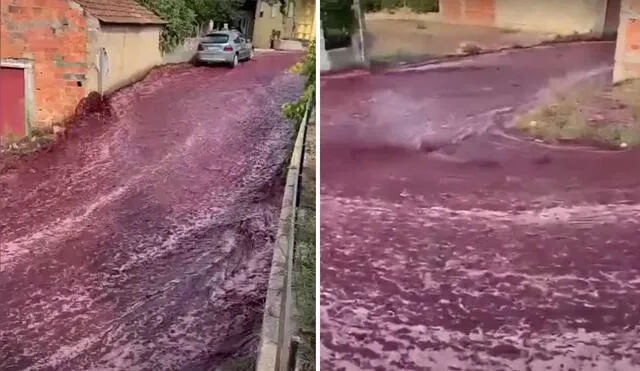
(295, 110)
(183, 16)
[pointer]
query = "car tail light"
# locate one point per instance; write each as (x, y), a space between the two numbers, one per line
(228, 48)
(200, 47)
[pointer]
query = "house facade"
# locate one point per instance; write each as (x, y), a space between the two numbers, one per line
(596, 17)
(54, 52)
(297, 21)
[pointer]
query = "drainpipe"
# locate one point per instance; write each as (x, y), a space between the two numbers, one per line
(103, 69)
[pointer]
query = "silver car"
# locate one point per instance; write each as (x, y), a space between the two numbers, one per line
(227, 47)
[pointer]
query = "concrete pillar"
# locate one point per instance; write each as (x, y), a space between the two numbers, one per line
(357, 40)
(325, 62)
(627, 63)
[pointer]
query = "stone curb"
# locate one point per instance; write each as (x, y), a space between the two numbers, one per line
(454, 59)
(276, 334)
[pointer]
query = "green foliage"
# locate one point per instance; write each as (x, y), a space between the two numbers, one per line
(418, 6)
(295, 111)
(216, 10)
(338, 15)
(184, 15)
(181, 21)
(422, 6)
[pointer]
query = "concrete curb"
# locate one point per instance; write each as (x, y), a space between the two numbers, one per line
(442, 61)
(274, 352)
(276, 51)
(452, 60)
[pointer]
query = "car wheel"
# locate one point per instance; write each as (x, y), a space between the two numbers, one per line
(234, 62)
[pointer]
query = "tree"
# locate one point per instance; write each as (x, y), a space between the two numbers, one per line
(183, 16)
(216, 10)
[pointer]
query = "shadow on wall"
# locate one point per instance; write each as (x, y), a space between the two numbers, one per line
(182, 53)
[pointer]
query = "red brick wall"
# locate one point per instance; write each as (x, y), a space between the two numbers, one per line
(451, 10)
(480, 12)
(53, 34)
(633, 36)
(628, 47)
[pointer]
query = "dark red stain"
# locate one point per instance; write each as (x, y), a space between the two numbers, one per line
(143, 240)
(491, 253)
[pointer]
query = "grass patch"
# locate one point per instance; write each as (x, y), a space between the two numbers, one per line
(238, 364)
(575, 37)
(18, 146)
(305, 268)
(606, 118)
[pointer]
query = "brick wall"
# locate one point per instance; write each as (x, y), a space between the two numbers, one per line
(52, 33)
(478, 12)
(628, 46)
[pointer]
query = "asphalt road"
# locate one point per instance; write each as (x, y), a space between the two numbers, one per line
(145, 242)
(450, 244)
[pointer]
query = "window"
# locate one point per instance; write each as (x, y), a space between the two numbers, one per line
(216, 38)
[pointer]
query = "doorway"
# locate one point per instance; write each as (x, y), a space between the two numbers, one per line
(16, 82)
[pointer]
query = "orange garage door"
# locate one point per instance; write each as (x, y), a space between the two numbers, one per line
(12, 105)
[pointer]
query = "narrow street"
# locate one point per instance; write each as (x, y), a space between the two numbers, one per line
(144, 243)
(451, 243)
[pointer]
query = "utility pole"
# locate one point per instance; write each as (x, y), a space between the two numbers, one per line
(358, 13)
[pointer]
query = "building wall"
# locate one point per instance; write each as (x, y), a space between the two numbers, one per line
(268, 18)
(305, 20)
(562, 17)
(628, 45)
(132, 50)
(51, 34)
(554, 16)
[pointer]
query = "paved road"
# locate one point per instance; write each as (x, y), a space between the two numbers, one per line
(495, 253)
(144, 243)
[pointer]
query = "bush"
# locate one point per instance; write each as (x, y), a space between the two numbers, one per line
(181, 21)
(423, 6)
(337, 15)
(184, 15)
(295, 111)
(334, 39)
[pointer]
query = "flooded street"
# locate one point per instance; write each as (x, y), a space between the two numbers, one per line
(144, 243)
(451, 243)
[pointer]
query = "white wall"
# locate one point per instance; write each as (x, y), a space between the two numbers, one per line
(132, 50)
(182, 53)
(555, 16)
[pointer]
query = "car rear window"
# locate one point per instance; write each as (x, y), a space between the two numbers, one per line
(217, 38)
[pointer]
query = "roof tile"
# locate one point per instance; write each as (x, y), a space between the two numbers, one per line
(120, 11)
